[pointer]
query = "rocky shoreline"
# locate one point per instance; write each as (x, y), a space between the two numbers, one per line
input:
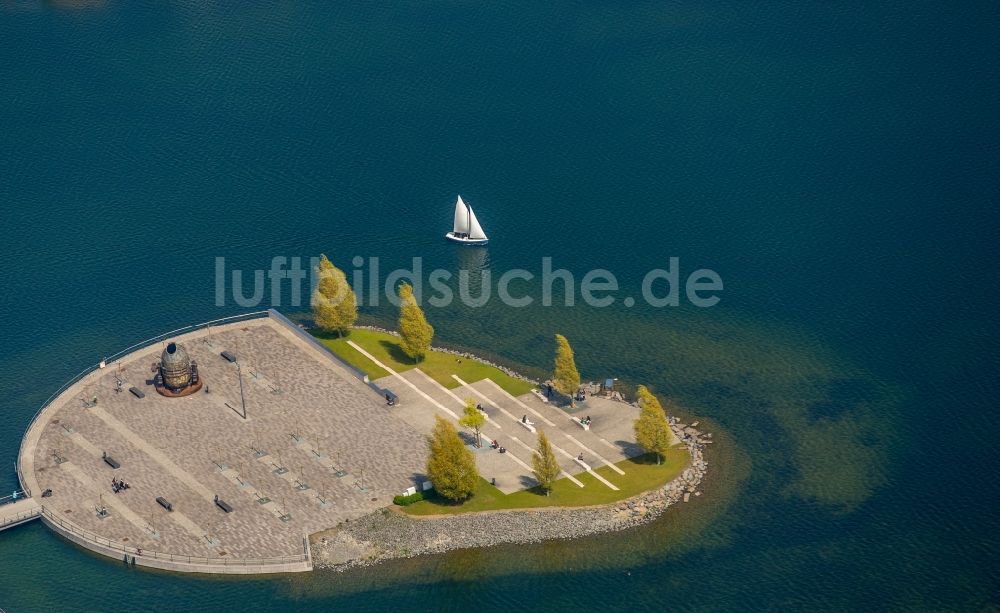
(387, 534)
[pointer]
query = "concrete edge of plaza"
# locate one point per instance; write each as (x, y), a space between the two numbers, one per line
(153, 559)
(178, 562)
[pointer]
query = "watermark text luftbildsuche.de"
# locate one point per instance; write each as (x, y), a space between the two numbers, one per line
(288, 282)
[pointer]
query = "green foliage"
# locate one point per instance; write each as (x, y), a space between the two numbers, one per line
(408, 500)
(450, 466)
(642, 474)
(416, 334)
(473, 419)
(544, 463)
(566, 378)
(436, 364)
(335, 307)
(652, 431)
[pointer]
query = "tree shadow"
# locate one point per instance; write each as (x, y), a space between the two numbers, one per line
(396, 352)
(565, 401)
(438, 500)
(536, 489)
(630, 449)
(329, 336)
(468, 438)
(646, 459)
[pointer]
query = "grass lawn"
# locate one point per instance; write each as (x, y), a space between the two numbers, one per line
(439, 365)
(641, 474)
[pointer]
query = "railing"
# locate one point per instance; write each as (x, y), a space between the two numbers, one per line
(20, 517)
(63, 388)
(17, 495)
(103, 541)
(115, 356)
(185, 330)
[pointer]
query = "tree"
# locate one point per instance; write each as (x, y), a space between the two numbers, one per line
(416, 334)
(473, 419)
(544, 463)
(566, 378)
(335, 307)
(652, 431)
(450, 466)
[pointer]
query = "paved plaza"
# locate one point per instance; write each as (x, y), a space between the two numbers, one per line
(318, 447)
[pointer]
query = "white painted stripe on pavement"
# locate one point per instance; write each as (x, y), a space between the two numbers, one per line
(561, 472)
(570, 437)
(602, 480)
(518, 402)
(453, 395)
(487, 400)
(403, 379)
(597, 476)
(606, 463)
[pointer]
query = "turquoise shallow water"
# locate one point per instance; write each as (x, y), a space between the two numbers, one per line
(835, 164)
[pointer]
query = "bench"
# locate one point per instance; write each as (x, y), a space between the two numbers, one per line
(111, 461)
(229, 355)
(580, 423)
(163, 503)
(222, 504)
(529, 426)
(138, 393)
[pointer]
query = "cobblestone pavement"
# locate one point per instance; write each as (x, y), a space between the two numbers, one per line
(308, 420)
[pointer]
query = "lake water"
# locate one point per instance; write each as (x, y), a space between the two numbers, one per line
(836, 165)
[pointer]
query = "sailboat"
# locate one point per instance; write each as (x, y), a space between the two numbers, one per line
(467, 229)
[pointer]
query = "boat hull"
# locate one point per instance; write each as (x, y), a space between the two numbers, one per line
(466, 240)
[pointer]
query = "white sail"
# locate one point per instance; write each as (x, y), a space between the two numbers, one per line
(475, 230)
(461, 217)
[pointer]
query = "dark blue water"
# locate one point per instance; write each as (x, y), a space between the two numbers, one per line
(836, 165)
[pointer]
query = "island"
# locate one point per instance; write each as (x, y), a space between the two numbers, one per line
(252, 445)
